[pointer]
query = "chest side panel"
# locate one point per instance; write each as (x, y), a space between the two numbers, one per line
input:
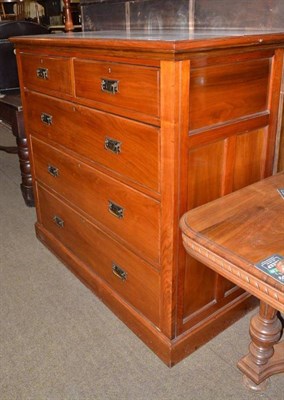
(230, 144)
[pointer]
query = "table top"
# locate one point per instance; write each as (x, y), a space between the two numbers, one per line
(172, 41)
(245, 228)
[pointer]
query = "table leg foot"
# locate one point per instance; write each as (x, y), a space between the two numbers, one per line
(9, 149)
(266, 355)
(28, 195)
(262, 387)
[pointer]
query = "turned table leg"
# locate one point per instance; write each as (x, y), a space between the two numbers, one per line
(266, 353)
(24, 159)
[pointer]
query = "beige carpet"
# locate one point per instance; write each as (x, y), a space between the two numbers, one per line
(59, 342)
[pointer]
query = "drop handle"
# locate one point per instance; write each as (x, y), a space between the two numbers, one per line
(109, 85)
(53, 171)
(42, 73)
(46, 118)
(58, 221)
(119, 272)
(113, 145)
(115, 210)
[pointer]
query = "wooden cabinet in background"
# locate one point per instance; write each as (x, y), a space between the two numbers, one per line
(129, 131)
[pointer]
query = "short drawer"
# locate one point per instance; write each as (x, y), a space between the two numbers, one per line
(127, 147)
(132, 216)
(126, 86)
(135, 280)
(47, 74)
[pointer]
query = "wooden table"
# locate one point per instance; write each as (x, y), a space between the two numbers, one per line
(232, 235)
(11, 113)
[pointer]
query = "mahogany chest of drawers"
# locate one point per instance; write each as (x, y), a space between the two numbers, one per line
(127, 131)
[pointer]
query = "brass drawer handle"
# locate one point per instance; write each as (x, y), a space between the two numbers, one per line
(58, 221)
(113, 145)
(109, 85)
(46, 119)
(53, 171)
(42, 73)
(116, 210)
(119, 272)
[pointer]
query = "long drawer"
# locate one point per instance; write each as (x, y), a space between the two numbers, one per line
(47, 74)
(130, 215)
(127, 147)
(126, 86)
(135, 281)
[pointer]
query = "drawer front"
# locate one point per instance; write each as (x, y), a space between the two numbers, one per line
(47, 74)
(135, 281)
(127, 147)
(127, 86)
(132, 216)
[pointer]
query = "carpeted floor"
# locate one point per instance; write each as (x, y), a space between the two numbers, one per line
(59, 342)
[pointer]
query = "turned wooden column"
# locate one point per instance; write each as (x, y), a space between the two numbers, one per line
(68, 16)
(263, 360)
(18, 130)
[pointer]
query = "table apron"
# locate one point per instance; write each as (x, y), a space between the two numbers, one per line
(243, 279)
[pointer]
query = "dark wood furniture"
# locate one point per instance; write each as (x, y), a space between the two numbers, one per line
(11, 113)
(12, 10)
(232, 235)
(128, 131)
(10, 101)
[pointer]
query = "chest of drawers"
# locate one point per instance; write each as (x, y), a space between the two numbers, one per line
(126, 134)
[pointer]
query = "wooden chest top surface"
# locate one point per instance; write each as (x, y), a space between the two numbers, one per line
(165, 41)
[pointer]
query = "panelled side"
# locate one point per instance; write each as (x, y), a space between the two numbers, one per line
(231, 143)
